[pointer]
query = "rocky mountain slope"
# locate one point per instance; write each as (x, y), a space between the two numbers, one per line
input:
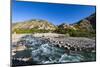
(87, 24)
(33, 24)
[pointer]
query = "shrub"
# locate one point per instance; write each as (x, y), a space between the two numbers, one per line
(19, 31)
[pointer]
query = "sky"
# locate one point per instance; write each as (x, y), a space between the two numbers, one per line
(54, 13)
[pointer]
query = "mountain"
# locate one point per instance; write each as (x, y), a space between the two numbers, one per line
(34, 24)
(86, 26)
(92, 20)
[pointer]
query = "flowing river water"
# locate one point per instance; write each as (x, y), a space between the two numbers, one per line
(43, 52)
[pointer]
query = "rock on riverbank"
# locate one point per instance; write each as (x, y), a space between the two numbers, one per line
(27, 48)
(59, 40)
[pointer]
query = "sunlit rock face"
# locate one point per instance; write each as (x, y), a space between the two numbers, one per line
(34, 23)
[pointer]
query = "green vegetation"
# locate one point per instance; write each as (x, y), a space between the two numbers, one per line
(67, 32)
(75, 33)
(84, 28)
(20, 31)
(81, 34)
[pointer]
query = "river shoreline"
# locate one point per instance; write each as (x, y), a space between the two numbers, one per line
(70, 43)
(31, 47)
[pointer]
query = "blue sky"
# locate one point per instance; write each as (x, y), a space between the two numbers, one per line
(54, 13)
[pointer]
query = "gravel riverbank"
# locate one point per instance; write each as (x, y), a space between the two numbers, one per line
(44, 49)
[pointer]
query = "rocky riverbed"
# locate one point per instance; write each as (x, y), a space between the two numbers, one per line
(73, 43)
(55, 49)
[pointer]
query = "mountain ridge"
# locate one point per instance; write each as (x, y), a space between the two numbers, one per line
(87, 24)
